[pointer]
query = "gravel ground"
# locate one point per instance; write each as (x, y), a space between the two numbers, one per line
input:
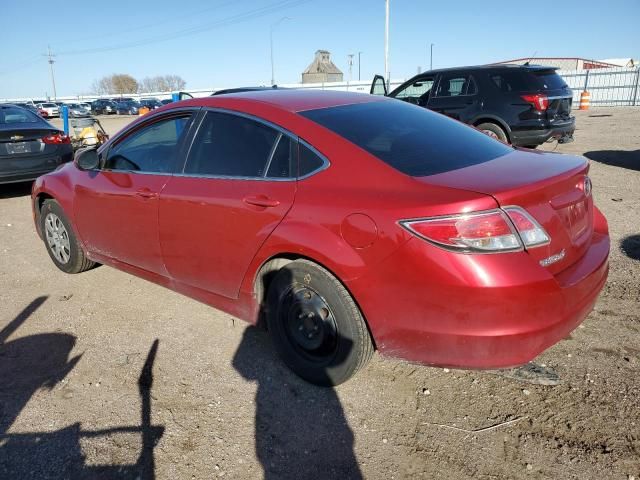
(103, 375)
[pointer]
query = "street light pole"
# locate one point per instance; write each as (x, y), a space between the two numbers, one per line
(386, 41)
(273, 26)
(359, 54)
(431, 58)
(53, 79)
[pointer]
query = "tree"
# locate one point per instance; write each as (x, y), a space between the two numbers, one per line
(117, 83)
(162, 83)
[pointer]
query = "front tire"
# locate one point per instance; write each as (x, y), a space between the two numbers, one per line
(60, 240)
(315, 324)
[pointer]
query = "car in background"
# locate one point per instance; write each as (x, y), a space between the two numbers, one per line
(524, 105)
(29, 145)
(103, 106)
(166, 101)
(76, 110)
(358, 221)
(29, 106)
(86, 106)
(51, 109)
(150, 103)
(127, 107)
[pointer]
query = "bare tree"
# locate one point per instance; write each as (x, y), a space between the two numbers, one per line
(162, 83)
(174, 82)
(118, 83)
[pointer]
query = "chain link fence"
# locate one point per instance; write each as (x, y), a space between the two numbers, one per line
(608, 86)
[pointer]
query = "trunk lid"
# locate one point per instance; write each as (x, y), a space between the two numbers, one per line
(25, 141)
(550, 187)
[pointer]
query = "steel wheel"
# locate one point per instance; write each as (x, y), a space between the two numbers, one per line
(309, 323)
(57, 238)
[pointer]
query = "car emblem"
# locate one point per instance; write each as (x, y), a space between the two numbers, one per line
(545, 262)
(587, 186)
(17, 137)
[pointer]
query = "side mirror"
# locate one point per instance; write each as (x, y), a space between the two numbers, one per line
(87, 159)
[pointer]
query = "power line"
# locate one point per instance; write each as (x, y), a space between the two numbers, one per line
(249, 15)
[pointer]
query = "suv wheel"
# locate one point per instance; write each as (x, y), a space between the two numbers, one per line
(494, 131)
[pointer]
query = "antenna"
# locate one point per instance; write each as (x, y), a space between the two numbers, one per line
(51, 62)
(531, 58)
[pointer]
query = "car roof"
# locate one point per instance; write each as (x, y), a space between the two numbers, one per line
(490, 67)
(293, 100)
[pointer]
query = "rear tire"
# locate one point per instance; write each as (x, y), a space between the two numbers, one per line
(315, 324)
(60, 239)
(494, 131)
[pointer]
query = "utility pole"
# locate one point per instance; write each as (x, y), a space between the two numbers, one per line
(359, 54)
(273, 26)
(53, 79)
(350, 63)
(386, 41)
(431, 58)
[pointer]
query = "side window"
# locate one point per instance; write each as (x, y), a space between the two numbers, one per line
(281, 159)
(309, 161)
(231, 146)
(510, 82)
(456, 85)
(151, 150)
(420, 89)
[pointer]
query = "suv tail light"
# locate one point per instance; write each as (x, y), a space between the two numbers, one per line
(493, 231)
(56, 138)
(539, 101)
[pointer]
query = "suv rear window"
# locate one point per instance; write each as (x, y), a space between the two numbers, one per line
(411, 139)
(549, 80)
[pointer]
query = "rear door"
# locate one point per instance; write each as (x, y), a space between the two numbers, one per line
(456, 96)
(238, 183)
(116, 207)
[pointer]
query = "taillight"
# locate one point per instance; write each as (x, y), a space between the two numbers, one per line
(473, 232)
(56, 138)
(539, 101)
(494, 231)
(531, 233)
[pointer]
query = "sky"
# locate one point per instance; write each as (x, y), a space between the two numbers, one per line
(225, 43)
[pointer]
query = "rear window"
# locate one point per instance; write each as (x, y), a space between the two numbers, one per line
(9, 115)
(549, 80)
(411, 139)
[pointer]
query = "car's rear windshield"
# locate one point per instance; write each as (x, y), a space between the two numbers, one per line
(9, 115)
(411, 139)
(549, 80)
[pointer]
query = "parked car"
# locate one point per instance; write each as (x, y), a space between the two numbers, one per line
(51, 109)
(150, 103)
(76, 110)
(525, 105)
(104, 107)
(166, 101)
(86, 106)
(127, 108)
(337, 220)
(29, 106)
(29, 145)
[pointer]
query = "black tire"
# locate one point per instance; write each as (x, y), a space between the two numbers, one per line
(494, 131)
(531, 146)
(76, 260)
(328, 347)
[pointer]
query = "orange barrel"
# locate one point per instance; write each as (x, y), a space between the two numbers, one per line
(585, 100)
(145, 110)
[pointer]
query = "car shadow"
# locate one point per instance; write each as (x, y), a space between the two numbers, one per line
(300, 429)
(35, 362)
(12, 190)
(616, 158)
(630, 246)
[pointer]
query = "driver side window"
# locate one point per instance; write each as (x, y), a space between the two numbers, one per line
(149, 150)
(417, 92)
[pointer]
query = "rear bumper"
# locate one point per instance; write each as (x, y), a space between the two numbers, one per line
(44, 165)
(476, 311)
(537, 136)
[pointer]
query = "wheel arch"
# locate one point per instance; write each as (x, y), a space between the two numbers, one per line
(268, 269)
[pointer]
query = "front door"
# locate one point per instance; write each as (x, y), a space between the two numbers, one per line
(116, 207)
(238, 184)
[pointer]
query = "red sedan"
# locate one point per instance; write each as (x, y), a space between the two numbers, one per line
(346, 222)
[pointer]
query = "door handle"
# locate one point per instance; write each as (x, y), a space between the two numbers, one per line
(146, 193)
(261, 201)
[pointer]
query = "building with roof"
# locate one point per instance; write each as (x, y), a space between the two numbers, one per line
(322, 69)
(565, 63)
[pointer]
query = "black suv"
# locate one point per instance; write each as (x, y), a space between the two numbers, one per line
(524, 105)
(102, 106)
